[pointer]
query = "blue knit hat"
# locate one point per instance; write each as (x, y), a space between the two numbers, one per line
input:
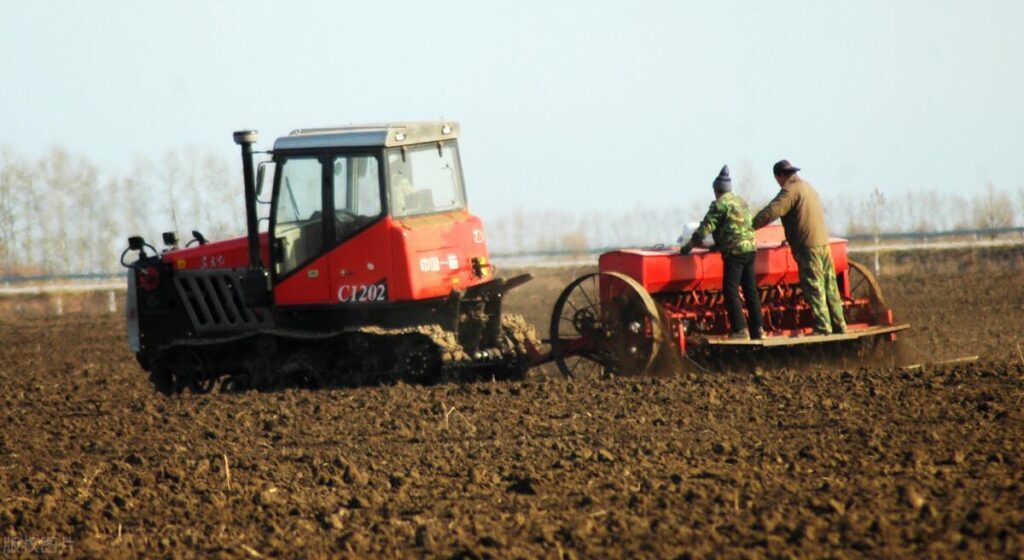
(723, 183)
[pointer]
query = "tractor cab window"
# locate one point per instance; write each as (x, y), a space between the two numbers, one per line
(425, 179)
(298, 227)
(356, 193)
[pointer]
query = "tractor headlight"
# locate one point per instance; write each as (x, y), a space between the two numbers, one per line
(481, 269)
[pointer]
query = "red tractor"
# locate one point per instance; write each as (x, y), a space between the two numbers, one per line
(370, 266)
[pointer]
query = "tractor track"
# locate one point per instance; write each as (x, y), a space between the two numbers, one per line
(806, 462)
(355, 357)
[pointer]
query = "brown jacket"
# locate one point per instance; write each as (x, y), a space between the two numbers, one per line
(800, 209)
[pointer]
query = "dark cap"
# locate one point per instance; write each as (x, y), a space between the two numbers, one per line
(783, 167)
(723, 183)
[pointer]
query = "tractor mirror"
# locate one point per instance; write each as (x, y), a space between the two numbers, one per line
(262, 176)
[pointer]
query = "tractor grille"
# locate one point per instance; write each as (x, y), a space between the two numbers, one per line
(213, 301)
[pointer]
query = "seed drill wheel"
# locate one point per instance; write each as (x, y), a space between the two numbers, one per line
(604, 321)
(863, 284)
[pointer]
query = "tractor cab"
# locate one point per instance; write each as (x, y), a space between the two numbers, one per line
(370, 213)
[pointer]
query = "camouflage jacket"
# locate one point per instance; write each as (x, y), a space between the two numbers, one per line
(730, 224)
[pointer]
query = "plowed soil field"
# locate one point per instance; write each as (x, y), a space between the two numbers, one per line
(811, 462)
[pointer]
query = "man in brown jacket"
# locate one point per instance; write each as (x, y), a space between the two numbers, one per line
(804, 223)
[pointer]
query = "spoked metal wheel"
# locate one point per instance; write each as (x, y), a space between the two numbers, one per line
(864, 285)
(881, 349)
(605, 322)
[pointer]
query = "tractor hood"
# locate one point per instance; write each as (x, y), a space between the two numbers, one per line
(229, 253)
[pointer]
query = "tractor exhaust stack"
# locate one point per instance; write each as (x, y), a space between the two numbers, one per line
(245, 139)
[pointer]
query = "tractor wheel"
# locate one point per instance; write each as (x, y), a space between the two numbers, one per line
(864, 285)
(192, 371)
(605, 322)
(162, 378)
(418, 361)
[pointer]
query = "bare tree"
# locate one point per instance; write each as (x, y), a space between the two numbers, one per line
(223, 196)
(8, 210)
(993, 209)
(575, 241)
(193, 207)
(28, 203)
(848, 211)
(1020, 206)
(52, 209)
(875, 210)
(170, 177)
(90, 220)
(134, 197)
(106, 239)
(748, 186)
(519, 227)
(929, 206)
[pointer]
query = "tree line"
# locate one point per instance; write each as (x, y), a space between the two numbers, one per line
(907, 211)
(61, 213)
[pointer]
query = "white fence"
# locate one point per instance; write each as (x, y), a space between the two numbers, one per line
(56, 293)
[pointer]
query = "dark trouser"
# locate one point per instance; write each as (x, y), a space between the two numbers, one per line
(739, 271)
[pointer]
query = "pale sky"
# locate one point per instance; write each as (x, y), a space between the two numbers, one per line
(595, 105)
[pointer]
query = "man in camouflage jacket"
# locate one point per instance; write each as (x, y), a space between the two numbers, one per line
(729, 223)
(804, 222)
